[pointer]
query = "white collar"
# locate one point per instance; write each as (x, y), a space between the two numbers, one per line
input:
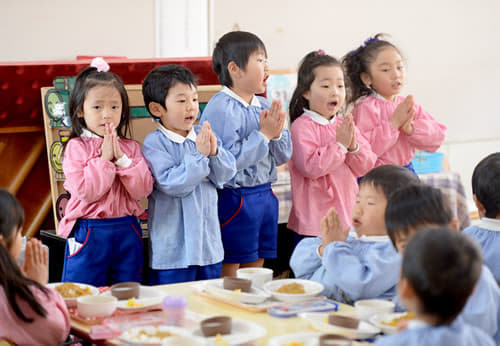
(413, 324)
(175, 137)
(317, 118)
(90, 134)
(490, 224)
(255, 101)
(369, 238)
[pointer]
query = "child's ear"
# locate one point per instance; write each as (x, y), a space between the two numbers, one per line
(156, 109)
(454, 225)
(233, 69)
(366, 79)
(480, 208)
(307, 94)
(405, 289)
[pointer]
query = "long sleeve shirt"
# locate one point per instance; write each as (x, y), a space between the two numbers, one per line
(182, 214)
(100, 188)
(237, 124)
(373, 115)
(50, 330)
(359, 268)
(323, 173)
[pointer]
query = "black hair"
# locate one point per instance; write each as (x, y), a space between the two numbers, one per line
(358, 61)
(442, 266)
(414, 206)
(305, 77)
(86, 80)
(159, 81)
(389, 178)
(234, 46)
(14, 283)
(486, 184)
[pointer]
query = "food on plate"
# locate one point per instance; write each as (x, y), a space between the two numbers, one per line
(343, 321)
(294, 343)
(131, 303)
(219, 340)
(147, 334)
(291, 288)
(395, 321)
(71, 290)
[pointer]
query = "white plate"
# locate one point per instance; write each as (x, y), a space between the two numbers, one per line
(71, 302)
(312, 289)
(318, 321)
(377, 320)
(182, 337)
(309, 339)
(255, 296)
(242, 331)
(149, 297)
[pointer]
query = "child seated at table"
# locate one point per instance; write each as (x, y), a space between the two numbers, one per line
(439, 272)
(486, 190)
(30, 313)
(364, 264)
(413, 207)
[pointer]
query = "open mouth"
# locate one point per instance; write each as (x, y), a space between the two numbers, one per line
(189, 118)
(333, 104)
(266, 78)
(356, 222)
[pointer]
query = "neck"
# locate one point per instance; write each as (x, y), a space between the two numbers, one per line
(241, 92)
(429, 319)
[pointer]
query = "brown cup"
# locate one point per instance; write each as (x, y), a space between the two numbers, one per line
(233, 283)
(334, 340)
(125, 290)
(344, 321)
(216, 325)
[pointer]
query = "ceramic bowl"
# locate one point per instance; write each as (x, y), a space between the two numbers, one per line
(216, 325)
(343, 321)
(126, 290)
(233, 283)
(258, 276)
(369, 307)
(96, 306)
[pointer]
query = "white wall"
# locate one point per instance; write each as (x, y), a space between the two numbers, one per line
(451, 46)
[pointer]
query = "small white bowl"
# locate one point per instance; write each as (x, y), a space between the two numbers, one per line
(96, 306)
(368, 307)
(258, 276)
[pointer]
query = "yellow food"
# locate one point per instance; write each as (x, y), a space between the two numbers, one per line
(132, 304)
(294, 343)
(219, 340)
(238, 290)
(293, 288)
(395, 321)
(157, 334)
(71, 290)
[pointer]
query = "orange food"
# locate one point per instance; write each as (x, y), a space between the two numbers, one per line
(71, 290)
(395, 321)
(293, 288)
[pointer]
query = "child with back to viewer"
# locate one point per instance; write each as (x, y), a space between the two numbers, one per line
(486, 190)
(328, 151)
(364, 264)
(252, 130)
(440, 269)
(395, 126)
(31, 314)
(412, 208)
(106, 176)
(188, 163)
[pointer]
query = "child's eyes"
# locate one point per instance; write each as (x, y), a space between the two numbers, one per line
(181, 101)
(116, 107)
(195, 100)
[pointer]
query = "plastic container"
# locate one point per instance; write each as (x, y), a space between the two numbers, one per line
(174, 308)
(425, 162)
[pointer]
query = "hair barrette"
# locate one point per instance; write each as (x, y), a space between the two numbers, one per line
(320, 52)
(366, 43)
(100, 64)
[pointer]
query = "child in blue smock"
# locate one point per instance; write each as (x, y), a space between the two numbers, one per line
(439, 272)
(188, 163)
(364, 264)
(412, 207)
(252, 130)
(486, 190)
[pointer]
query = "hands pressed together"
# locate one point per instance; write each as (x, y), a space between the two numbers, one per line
(346, 134)
(272, 121)
(36, 262)
(110, 147)
(206, 141)
(331, 230)
(403, 116)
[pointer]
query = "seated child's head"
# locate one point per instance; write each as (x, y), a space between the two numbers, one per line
(240, 61)
(374, 190)
(486, 186)
(320, 86)
(170, 94)
(440, 269)
(412, 208)
(11, 224)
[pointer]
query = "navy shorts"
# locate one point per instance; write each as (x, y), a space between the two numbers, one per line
(191, 273)
(249, 223)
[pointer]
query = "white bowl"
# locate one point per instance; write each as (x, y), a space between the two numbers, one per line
(258, 276)
(312, 289)
(96, 306)
(368, 307)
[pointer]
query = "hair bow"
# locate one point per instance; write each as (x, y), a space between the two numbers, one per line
(100, 64)
(320, 52)
(368, 41)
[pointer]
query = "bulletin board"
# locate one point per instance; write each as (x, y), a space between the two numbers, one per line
(57, 125)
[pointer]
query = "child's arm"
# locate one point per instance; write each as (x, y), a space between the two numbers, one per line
(222, 165)
(305, 260)
(88, 179)
(176, 173)
(281, 149)
(362, 160)
(428, 134)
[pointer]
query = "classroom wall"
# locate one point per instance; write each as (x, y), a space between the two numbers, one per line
(450, 46)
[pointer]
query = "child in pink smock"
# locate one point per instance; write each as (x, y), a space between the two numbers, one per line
(106, 176)
(328, 151)
(394, 125)
(30, 313)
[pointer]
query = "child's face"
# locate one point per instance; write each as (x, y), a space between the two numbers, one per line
(253, 79)
(181, 110)
(16, 243)
(327, 92)
(368, 212)
(387, 73)
(102, 105)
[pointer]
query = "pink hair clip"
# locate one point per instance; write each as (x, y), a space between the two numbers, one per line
(100, 64)
(320, 52)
